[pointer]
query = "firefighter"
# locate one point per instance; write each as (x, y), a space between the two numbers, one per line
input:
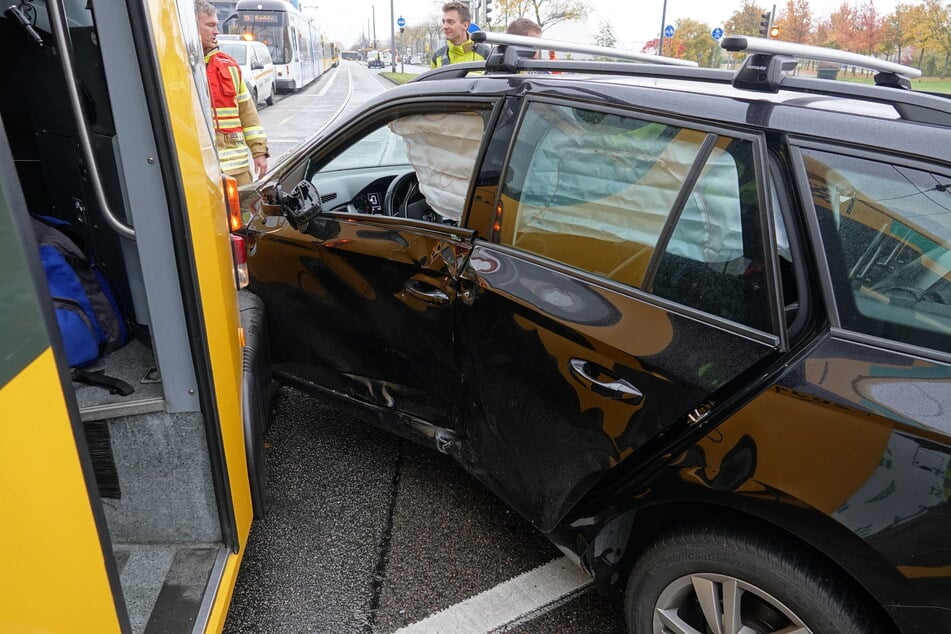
(238, 132)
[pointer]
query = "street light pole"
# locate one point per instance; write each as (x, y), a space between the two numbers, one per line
(392, 38)
(374, 26)
(663, 18)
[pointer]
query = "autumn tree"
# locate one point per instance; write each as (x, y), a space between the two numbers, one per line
(935, 32)
(897, 29)
(545, 13)
(692, 41)
(795, 22)
(867, 30)
(836, 30)
(745, 20)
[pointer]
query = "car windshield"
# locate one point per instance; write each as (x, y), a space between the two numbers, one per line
(238, 51)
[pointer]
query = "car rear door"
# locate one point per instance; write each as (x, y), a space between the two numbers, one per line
(622, 290)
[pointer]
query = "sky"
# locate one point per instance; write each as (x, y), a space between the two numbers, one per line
(634, 21)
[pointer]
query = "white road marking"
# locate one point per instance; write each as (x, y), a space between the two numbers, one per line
(323, 91)
(507, 602)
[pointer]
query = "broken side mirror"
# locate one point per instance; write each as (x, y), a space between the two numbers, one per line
(300, 205)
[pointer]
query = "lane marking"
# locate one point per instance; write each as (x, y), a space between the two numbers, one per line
(507, 602)
(323, 91)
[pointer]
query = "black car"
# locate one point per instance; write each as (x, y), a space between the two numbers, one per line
(694, 325)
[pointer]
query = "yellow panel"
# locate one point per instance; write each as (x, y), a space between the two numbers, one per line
(52, 568)
(210, 240)
(207, 220)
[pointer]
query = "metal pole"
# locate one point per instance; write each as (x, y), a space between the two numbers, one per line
(402, 51)
(392, 38)
(374, 26)
(663, 18)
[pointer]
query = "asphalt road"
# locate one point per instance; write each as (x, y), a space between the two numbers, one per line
(366, 532)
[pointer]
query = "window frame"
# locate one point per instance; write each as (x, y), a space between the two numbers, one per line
(778, 337)
(833, 307)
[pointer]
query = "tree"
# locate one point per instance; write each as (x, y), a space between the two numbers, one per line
(605, 35)
(795, 22)
(936, 31)
(745, 20)
(545, 13)
(897, 29)
(691, 41)
(836, 30)
(867, 30)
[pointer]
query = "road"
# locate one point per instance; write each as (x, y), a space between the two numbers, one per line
(369, 533)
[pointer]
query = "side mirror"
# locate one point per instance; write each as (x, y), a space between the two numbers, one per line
(257, 66)
(301, 205)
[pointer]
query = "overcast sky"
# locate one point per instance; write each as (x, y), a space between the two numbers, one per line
(634, 21)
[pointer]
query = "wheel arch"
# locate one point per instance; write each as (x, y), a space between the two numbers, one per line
(627, 535)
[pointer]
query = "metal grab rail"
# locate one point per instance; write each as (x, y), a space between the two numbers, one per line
(57, 15)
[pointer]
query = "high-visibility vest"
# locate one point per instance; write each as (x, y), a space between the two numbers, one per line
(468, 51)
(237, 126)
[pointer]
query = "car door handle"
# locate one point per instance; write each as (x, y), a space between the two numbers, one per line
(615, 388)
(428, 294)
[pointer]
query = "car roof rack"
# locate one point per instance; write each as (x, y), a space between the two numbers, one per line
(765, 67)
(910, 105)
(511, 49)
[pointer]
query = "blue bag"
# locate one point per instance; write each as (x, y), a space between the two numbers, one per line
(86, 309)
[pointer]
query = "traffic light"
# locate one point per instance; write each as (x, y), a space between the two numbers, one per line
(488, 11)
(764, 24)
(774, 31)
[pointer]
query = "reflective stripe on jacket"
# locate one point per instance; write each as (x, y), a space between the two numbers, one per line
(237, 126)
(468, 51)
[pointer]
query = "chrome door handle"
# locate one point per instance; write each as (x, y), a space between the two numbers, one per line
(618, 389)
(431, 296)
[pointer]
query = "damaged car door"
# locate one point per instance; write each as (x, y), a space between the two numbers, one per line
(360, 280)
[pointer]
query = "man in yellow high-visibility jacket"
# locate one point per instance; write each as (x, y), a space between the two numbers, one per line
(459, 48)
(239, 136)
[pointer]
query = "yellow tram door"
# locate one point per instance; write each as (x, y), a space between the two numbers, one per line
(54, 569)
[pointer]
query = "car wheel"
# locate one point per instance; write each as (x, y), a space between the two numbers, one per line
(270, 100)
(714, 578)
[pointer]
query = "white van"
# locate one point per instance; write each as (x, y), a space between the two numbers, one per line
(256, 66)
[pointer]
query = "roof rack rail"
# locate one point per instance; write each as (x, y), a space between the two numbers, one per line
(765, 67)
(512, 48)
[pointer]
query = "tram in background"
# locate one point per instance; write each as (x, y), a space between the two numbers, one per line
(296, 44)
(225, 9)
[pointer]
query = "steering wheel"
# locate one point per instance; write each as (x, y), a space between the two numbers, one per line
(398, 194)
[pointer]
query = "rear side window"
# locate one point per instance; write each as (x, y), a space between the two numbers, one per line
(659, 207)
(885, 230)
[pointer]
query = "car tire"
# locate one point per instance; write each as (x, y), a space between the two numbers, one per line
(270, 100)
(254, 97)
(680, 582)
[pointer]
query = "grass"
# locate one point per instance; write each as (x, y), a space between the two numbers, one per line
(929, 84)
(398, 78)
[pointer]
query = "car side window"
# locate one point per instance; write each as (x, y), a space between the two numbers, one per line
(885, 230)
(655, 206)
(415, 165)
(264, 55)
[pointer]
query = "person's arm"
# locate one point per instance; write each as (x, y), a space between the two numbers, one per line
(254, 134)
